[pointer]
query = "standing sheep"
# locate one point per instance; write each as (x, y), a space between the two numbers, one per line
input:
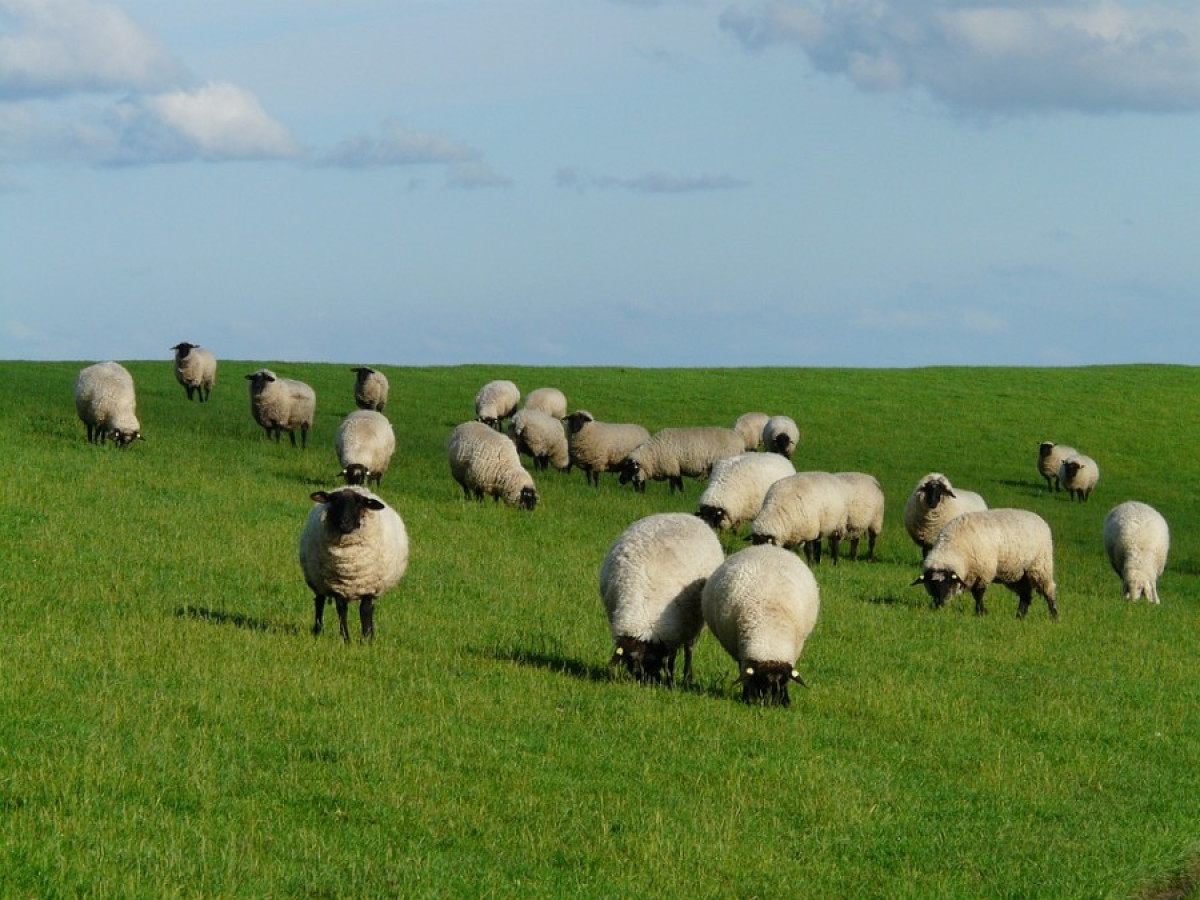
(1050, 457)
(674, 452)
(107, 404)
(1136, 539)
(353, 547)
(650, 582)
(483, 461)
(781, 434)
(864, 510)
(195, 369)
(495, 402)
(1079, 474)
(600, 446)
(750, 426)
(737, 487)
(762, 605)
(1011, 546)
(933, 503)
(549, 400)
(801, 511)
(282, 404)
(365, 443)
(370, 388)
(541, 436)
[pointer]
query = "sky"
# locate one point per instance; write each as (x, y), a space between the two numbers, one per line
(864, 183)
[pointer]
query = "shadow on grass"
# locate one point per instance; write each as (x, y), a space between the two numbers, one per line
(237, 620)
(1183, 884)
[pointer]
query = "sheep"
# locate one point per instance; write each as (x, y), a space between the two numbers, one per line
(600, 446)
(674, 452)
(541, 436)
(365, 443)
(1079, 474)
(650, 582)
(933, 503)
(762, 604)
(801, 511)
(781, 434)
(195, 369)
(750, 427)
(864, 510)
(737, 487)
(495, 402)
(1011, 546)
(549, 400)
(483, 461)
(370, 388)
(107, 404)
(1050, 457)
(282, 404)
(353, 547)
(1136, 539)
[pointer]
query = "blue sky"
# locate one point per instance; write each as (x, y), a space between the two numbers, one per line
(648, 182)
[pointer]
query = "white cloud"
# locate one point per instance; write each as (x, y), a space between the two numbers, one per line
(397, 146)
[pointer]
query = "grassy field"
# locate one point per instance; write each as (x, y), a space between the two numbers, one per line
(169, 726)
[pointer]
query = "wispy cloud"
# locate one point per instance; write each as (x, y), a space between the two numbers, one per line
(397, 146)
(979, 57)
(651, 183)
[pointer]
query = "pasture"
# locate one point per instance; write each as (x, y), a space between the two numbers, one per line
(169, 726)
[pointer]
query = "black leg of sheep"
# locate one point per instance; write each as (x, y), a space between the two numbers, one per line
(366, 613)
(318, 613)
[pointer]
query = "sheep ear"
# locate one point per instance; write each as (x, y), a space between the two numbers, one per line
(319, 497)
(618, 655)
(919, 580)
(796, 678)
(374, 504)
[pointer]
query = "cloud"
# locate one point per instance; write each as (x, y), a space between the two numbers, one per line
(397, 146)
(980, 57)
(652, 183)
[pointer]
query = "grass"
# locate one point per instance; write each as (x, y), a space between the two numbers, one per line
(170, 727)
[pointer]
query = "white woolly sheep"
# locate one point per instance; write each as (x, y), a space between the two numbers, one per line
(933, 503)
(1050, 457)
(485, 462)
(282, 404)
(738, 485)
(781, 434)
(762, 604)
(495, 402)
(353, 547)
(802, 510)
(864, 510)
(1136, 539)
(750, 426)
(673, 453)
(541, 436)
(1078, 475)
(600, 446)
(1011, 546)
(365, 442)
(650, 582)
(370, 388)
(107, 404)
(195, 369)
(549, 400)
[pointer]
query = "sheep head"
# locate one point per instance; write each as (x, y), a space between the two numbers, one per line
(355, 473)
(647, 661)
(767, 682)
(934, 490)
(345, 509)
(940, 584)
(716, 517)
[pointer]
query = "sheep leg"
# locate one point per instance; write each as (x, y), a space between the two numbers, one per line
(854, 549)
(318, 613)
(687, 664)
(834, 543)
(342, 606)
(977, 593)
(816, 550)
(871, 536)
(366, 615)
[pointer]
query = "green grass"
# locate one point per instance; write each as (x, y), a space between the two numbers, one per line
(168, 725)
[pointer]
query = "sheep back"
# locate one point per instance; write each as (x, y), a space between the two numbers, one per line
(549, 400)
(801, 511)
(541, 436)
(750, 427)
(781, 434)
(737, 486)
(365, 443)
(485, 462)
(598, 447)
(370, 388)
(1137, 539)
(1050, 457)
(672, 453)
(496, 401)
(1078, 474)
(933, 503)
(195, 369)
(106, 402)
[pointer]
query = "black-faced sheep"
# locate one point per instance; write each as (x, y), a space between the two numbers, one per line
(195, 369)
(495, 402)
(107, 404)
(1050, 457)
(370, 388)
(737, 486)
(485, 462)
(780, 435)
(541, 436)
(672, 453)
(1078, 475)
(282, 404)
(599, 447)
(933, 503)
(365, 442)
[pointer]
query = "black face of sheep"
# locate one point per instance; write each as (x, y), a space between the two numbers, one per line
(124, 438)
(183, 348)
(528, 498)
(756, 538)
(647, 661)
(715, 517)
(767, 683)
(934, 491)
(346, 508)
(631, 470)
(940, 585)
(355, 473)
(259, 380)
(577, 420)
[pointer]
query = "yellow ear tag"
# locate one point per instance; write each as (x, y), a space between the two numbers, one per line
(620, 651)
(795, 674)
(749, 670)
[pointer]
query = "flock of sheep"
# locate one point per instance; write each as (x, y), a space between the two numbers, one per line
(666, 575)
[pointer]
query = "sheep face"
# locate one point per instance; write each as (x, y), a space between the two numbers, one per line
(356, 473)
(346, 509)
(647, 661)
(932, 493)
(716, 517)
(758, 538)
(767, 683)
(259, 380)
(182, 350)
(528, 498)
(123, 438)
(1045, 449)
(631, 471)
(576, 420)
(941, 585)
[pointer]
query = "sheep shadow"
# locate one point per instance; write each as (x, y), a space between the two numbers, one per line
(237, 620)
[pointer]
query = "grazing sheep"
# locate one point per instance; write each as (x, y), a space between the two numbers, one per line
(495, 402)
(674, 452)
(483, 461)
(738, 485)
(365, 443)
(541, 436)
(195, 369)
(370, 388)
(549, 400)
(1050, 457)
(762, 605)
(282, 404)
(353, 547)
(650, 582)
(781, 435)
(1136, 539)
(933, 503)
(801, 511)
(1011, 546)
(106, 402)
(600, 446)
(864, 510)
(750, 426)
(1079, 474)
